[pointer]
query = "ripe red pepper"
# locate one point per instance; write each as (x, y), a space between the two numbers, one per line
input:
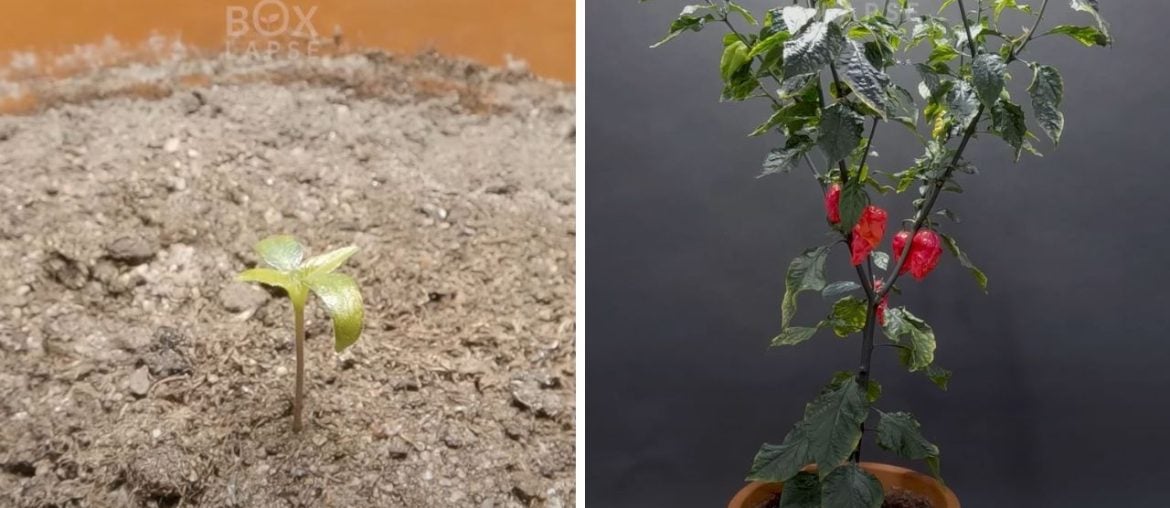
(868, 233)
(833, 204)
(925, 251)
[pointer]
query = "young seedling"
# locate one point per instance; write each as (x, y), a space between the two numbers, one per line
(337, 291)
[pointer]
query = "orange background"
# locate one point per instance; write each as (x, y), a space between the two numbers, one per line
(540, 32)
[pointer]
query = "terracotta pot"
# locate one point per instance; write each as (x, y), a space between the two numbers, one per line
(755, 494)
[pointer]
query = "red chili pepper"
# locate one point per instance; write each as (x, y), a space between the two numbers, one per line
(833, 204)
(925, 251)
(868, 233)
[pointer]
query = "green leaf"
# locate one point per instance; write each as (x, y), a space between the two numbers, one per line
(735, 55)
(848, 316)
(1086, 35)
(826, 436)
(841, 130)
(794, 335)
(849, 486)
(281, 252)
(691, 18)
(1001, 5)
(939, 376)
(1047, 91)
(805, 273)
(941, 54)
(767, 43)
(327, 262)
(962, 104)
(1007, 118)
(276, 278)
(839, 288)
(778, 463)
(1091, 7)
(812, 49)
(953, 247)
(343, 301)
(916, 337)
(863, 78)
(988, 74)
(782, 160)
(802, 491)
(900, 433)
(902, 108)
(746, 14)
(853, 201)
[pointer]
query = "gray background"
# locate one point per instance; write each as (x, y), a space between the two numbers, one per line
(1062, 373)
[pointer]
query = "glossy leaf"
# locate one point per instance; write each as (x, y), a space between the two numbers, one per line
(1047, 91)
(735, 55)
(1008, 120)
(281, 252)
(853, 202)
(812, 49)
(849, 486)
(863, 78)
(796, 17)
(988, 73)
(900, 433)
(327, 262)
(805, 273)
(782, 160)
(343, 301)
(839, 288)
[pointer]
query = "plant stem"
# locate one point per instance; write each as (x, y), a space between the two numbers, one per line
(299, 397)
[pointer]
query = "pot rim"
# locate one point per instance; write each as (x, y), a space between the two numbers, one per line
(754, 489)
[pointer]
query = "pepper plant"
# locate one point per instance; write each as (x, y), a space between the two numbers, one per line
(339, 293)
(823, 67)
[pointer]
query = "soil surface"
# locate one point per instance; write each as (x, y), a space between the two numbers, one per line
(134, 372)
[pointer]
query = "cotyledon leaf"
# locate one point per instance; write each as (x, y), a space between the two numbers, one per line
(343, 301)
(282, 252)
(329, 261)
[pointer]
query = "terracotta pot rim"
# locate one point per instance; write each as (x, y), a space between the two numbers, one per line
(754, 489)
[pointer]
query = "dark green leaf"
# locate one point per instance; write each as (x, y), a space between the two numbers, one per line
(853, 201)
(1007, 119)
(841, 130)
(848, 316)
(1047, 91)
(833, 424)
(693, 17)
(793, 335)
(802, 491)
(812, 48)
(902, 107)
(988, 74)
(805, 273)
(849, 486)
(900, 433)
(839, 288)
(953, 247)
(863, 78)
(782, 160)
(778, 463)
(914, 334)
(939, 376)
(1086, 35)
